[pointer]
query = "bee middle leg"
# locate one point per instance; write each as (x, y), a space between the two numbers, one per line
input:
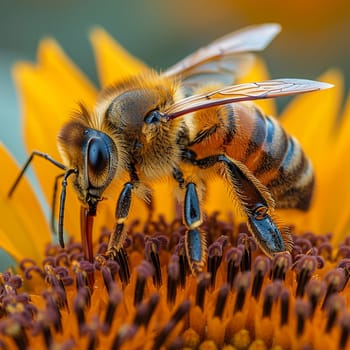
(115, 248)
(255, 201)
(195, 240)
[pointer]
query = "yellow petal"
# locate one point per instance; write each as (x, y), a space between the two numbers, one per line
(332, 181)
(114, 63)
(11, 247)
(164, 201)
(49, 93)
(311, 117)
(64, 74)
(40, 128)
(341, 138)
(24, 223)
(341, 226)
(338, 174)
(20, 242)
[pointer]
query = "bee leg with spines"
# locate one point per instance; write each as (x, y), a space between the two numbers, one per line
(257, 209)
(54, 203)
(255, 201)
(115, 248)
(195, 240)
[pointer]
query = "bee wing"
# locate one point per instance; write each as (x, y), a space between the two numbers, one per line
(224, 71)
(226, 57)
(244, 92)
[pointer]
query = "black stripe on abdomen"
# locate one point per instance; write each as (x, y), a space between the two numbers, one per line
(293, 186)
(273, 148)
(230, 123)
(258, 134)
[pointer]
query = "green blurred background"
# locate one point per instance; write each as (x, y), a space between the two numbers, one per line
(315, 36)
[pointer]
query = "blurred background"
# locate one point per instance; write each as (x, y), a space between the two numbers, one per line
(315, 36)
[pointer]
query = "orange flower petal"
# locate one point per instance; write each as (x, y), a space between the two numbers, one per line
(338, 174)
(342, 135)
(65, 74)
(114, 63)
(23, 215)
(48, 94)
(311, 117)
(41, 130)
(10, 246)
(164, 201)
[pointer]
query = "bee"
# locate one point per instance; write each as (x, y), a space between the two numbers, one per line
(188, 124)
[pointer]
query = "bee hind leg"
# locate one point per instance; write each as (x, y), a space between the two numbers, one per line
(256, 202)
(265, 231)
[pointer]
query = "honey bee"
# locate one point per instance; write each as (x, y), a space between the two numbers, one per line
(188, 124)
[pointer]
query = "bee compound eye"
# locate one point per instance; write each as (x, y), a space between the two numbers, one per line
(98, 156)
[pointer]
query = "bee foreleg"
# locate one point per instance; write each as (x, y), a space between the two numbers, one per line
(117, 237)
(195, 241)
(115, 248)
(256, 202)
(53, 203)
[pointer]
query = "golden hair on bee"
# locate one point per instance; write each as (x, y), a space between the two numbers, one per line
(155, 89)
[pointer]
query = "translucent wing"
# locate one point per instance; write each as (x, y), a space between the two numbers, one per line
(224, 71)
(225, 58)
(244, 92)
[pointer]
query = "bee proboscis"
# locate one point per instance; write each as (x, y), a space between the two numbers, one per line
(187, 124)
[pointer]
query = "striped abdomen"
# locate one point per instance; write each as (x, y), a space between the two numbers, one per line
(273, 156)
(276, 159)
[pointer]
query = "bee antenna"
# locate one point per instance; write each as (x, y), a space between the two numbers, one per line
(27, 163)
(62, 204)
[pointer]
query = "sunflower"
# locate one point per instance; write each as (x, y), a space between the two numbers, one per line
(243, 299)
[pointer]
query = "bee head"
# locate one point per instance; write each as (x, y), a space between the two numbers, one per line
(94, 156)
